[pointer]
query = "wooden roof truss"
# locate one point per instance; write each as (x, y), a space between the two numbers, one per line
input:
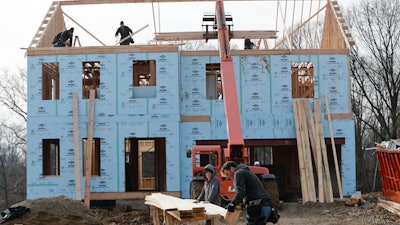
(335, 34)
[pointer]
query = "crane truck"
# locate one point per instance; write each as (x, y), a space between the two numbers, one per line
(235, 149)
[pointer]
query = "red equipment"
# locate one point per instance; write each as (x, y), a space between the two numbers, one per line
(235, 150)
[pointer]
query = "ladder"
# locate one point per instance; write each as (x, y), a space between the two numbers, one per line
(76, 39)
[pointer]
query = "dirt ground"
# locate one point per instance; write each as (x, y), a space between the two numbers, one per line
(65, 211)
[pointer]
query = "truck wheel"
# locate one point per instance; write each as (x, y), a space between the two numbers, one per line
(271, 187)
(195, 188)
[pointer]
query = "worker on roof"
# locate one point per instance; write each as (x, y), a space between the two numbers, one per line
(250, 191)
(124, 31)
(248, 44)
(64, 38)
(211, 189)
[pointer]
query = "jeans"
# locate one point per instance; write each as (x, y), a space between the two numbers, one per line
(262, 219)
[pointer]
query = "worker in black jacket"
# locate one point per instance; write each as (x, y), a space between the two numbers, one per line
(124, 31)
(64, 38)
(249, 191)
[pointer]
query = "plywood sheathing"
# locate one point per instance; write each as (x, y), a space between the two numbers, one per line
(51, 25)
(333, 34)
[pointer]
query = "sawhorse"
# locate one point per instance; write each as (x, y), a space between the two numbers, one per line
(171, 217)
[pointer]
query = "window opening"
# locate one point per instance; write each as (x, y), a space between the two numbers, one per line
(95, 156)
(144, 73)
(263, 155)
(51, 157)
(302, 80)
(213, 82)
(90, 78)
(50, 81)
(144, 78)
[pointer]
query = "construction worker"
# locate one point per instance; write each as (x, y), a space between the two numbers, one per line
(248, 44)
(249, 191)
(211, 189)
(64, 38)
(124, 31)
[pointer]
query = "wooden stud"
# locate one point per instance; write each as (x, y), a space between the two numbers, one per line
(334, 148)
(76, 148)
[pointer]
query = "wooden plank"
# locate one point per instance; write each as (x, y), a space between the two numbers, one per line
(76, 148)
(321, 190)
(307, 153)
(83, 28)
(163, 202)
(137, 31)
(390, 206)
(316, 147)
(340, 116)
(195, 118)
(88, 2)
(327, 177)
(89, 149)
(174, 48)
(154, 214)
(198, 35)
(304, 191)
(334, 149)
(127, 195)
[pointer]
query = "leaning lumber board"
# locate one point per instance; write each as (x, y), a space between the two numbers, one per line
(390, 206)
(307, 152)
(339, 182)
(300, 147)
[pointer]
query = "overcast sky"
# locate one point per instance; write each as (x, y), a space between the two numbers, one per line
(20, 20)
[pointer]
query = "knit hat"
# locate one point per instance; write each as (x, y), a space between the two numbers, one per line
(71, 30)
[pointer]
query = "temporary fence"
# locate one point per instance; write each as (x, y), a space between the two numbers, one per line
(389, 170)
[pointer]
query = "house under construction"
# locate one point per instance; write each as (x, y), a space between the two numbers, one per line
(141, 108)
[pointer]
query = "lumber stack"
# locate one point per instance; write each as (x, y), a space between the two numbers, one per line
(183, 208)
(311, 141)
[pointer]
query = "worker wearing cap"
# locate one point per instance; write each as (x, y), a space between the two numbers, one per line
(124, 31)
(250, 191)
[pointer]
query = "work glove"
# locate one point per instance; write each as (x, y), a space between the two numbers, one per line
(231, 207)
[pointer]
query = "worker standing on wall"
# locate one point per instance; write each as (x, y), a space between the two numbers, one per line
(248, 44)
(64, 38)
(248, 190)
(211, 189)
(124, 31)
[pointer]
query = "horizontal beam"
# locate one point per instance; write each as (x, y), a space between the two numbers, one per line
(87, 2)
(180, 36)
(127, 195)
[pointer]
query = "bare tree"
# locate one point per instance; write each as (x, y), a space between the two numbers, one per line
(375, 77)
(13, 98)
(12, 169)
(13, 136)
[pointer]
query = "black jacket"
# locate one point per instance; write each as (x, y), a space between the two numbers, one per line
(248, 186)
(124, 32)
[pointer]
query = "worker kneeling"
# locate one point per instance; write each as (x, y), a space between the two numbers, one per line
(249, 190)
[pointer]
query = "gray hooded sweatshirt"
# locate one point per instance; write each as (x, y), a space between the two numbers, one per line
(211, 188)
